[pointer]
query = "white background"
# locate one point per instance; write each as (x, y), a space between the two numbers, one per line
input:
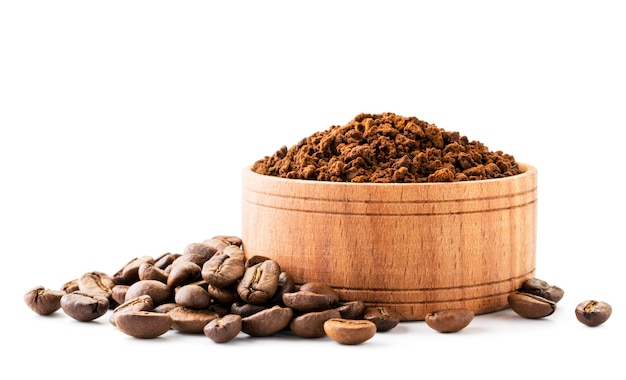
(124, 127)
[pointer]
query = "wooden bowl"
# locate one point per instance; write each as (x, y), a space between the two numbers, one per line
(412, 248)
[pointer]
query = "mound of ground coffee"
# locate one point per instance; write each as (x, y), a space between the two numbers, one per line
(387, 148)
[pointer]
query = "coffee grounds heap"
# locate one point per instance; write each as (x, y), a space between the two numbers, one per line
(387, 148)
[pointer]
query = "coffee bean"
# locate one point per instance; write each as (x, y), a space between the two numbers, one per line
(449, 320)
(593, 313)
(149, 271)
(542, 289)
(165, 260)
(159, 291)
(224, 296)
(351, 309)
(192, 296)
(306, 301)
(118, 293)
(191, 321)
(141, 303)
(384, 319)
(96, 283)
(201, 249)
(183, 272)
(43, 301)
(349, 331)
(286, 284)
(144, 324)
(84, 307)
(530, 305)
(225, 268)
(311, 325)
(224, 329)
(267, 322)
(259, 282)
(321, 288)
(245, 309)
(129, 273)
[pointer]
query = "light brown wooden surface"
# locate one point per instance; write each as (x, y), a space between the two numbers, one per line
(412, 248)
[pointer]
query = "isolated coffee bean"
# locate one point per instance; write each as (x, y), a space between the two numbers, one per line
(449, 320)
(349, 331)
(259, 282)
(43, 301)
(530, 305)
(593, 313)
(141, 303)
(159, 292)
(84, 307)
(224, 329)
(542, 289)
(383, 318)
(311, 325)
(193, 296)
(225, 267)
(267, 322)
(143, 324)
(191, 321)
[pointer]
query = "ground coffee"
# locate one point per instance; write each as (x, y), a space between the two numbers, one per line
(387, 148)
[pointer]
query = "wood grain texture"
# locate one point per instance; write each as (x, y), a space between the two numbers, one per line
(413, 248)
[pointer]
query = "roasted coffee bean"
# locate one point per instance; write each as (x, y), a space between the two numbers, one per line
(191, 321)
(224, 329)
(224, 296)
(141, 303)
(351, 309)
(165, 307)
(165, 260)
(267, 321)
(349, 331)
(43, 301)
(230, 239)
(84, 307)
(96, 283)
(306, 301)
(143, 324)
(195, 258)
(449, 320)
(193, 296)
(542, 289)
(217, 242)
(225, 268)
(245, 309)
(149, 271)
(118, 293)
(259, 282)
(254, 260)
(286, 284)
(159, 292)
(321, 288)
(593, 313)
(383, 318)
(70, 286)
(201, 249)
(530, 305)
(182, 273)
(311, 325)
(129, 273)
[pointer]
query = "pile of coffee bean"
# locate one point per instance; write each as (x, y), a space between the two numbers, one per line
(211, 288)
